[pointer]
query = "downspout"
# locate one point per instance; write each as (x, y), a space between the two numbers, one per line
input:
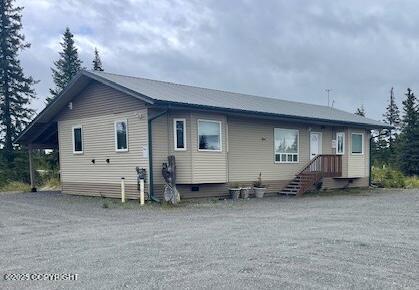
(150, 156)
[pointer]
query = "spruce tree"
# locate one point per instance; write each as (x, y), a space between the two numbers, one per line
(16, 89)
(67, 66)
(97, 63)
(392, 117)
(409, 157)
(360, 111)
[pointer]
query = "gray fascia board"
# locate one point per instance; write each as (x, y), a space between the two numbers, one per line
(282, 117)
(48, 107)
(70, 85)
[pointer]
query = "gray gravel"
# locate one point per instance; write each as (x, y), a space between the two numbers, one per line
(366, 240)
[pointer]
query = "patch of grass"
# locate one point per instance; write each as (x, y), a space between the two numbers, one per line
(412, 182)
(15, 186)
(52, 184)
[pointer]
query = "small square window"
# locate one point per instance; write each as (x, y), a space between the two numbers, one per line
(209, 135)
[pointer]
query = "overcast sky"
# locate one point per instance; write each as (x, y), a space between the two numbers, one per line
(291, 50)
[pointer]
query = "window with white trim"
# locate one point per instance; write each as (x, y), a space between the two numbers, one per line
(77, 140)
(357, 143)
(209, 135)
(179, 131)
(286, 142)
(121, 135)
(340, 143)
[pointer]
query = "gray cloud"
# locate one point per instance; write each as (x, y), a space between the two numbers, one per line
(287, 49)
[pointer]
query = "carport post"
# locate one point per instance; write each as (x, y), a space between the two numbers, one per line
(31, 173)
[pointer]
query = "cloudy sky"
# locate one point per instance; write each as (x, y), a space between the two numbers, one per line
(285, 49)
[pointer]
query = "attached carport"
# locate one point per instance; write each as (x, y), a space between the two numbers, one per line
(41, 136)
(42, 132)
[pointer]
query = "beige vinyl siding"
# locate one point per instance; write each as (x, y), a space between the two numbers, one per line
(78, 173)
(99, 144)
(358, 163)
(163, 146)
(251, 150)
(100, 100)
(208, 167)
(193, 166)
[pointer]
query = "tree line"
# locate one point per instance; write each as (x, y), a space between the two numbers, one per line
(17, 89)
(398, 147)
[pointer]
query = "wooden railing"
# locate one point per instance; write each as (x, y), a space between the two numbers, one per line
(323, 165)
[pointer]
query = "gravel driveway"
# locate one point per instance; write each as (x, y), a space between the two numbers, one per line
(363, 240)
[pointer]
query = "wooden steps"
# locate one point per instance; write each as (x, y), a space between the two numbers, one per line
(313, 172)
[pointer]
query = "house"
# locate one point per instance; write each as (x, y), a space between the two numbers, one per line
(105, 125)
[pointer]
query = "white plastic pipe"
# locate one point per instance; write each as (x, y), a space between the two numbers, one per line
(141, 191)
(123, 189)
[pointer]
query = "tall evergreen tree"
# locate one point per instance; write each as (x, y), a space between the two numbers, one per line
(409, 159)
(392, 117)
(97, 63)
(360, 111)
(67, 66)
(16, 89)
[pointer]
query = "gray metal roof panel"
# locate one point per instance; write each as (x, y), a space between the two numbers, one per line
(190, 95)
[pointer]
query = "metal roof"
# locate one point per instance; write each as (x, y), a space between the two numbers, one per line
(159, 92)
(190, 95)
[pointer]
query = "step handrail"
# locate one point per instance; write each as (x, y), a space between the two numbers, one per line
(334, 168)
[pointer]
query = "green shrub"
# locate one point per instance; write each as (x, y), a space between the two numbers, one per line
(16, 186)
(412, 182)
(388, 177)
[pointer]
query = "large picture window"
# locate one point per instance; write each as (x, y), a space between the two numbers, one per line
(357, 143)
(121, 136)
(77, 140)
(340, 143)
(179, 131)
(209, 135)
(286, 145)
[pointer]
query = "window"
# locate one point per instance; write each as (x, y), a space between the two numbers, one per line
(77, 140)
(179, 131)
(357, 143)
(286, 145)
(209, 135)
(340, 143)
(121, 136)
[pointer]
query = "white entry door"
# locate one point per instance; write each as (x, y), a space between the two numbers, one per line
(315, 144)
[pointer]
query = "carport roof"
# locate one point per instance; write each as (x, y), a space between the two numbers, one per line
(166, 93)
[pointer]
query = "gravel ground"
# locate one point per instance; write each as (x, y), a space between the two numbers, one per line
(359, 240)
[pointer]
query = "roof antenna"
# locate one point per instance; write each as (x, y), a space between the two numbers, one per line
(328, 96)
(333, 103)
